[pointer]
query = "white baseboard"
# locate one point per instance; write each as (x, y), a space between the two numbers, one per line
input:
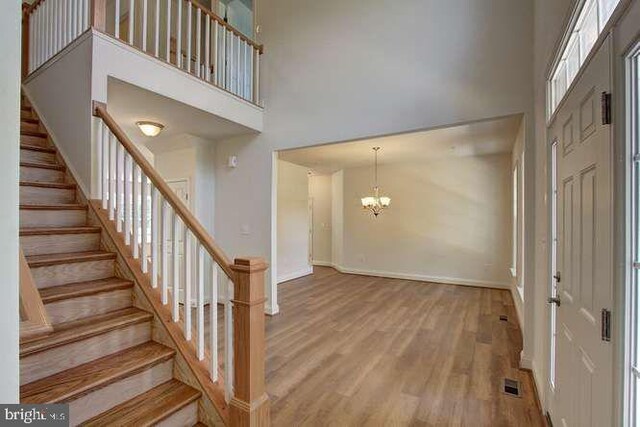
(295, 274)
(525, 361)
(423, 278)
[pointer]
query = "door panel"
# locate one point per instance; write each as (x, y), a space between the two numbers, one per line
(583, 392)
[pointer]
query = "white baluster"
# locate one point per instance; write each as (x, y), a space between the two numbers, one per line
(168, 57)
(127, 198)
(176, 268)
(207, 47)
(119, 187)
(113, 161)
(228, 341)
(213, 323)
(104, 178)
(223, 57)
(156, 49)
(200, 300)
(55, 9)
(198, 30)
(216, 72)
(179, 36)
(132, 19)
(100, 150)
(188, 247)
(63, 23)
(32, 29)
(189, 37)
(145, 13)
(155, 211)
(256, 78)
(70, 35)
(144, 207)
(135, 216)
(238, 67)
(165, 252)
(116, 29)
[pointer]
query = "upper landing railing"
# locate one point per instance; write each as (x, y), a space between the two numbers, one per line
(180, 32)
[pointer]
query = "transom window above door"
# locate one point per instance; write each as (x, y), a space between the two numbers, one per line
(588, 22)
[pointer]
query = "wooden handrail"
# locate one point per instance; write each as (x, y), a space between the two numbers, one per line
(187, 217)
(33, 316)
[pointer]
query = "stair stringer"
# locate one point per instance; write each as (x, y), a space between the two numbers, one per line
(213, 410)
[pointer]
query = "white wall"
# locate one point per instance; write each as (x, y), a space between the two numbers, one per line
(518, 161)
(337, 218)
(9, 137)
(449, 221)
(320, 192)
(293, 222)
(338, 70)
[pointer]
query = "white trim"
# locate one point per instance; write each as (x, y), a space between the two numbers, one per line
(296, 274)
(322, 263)
(271, 305)
(419, 277)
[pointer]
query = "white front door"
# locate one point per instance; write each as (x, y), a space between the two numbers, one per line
(582, 393)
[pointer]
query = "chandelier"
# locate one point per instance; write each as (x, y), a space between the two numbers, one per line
(376, 203)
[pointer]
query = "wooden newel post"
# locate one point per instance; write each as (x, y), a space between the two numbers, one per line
(26, 8)
(250, 404)
(99, 15)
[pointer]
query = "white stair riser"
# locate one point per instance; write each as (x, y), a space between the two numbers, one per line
(103, 399)
(59, 243)
(46, 196)
(52, 218)
(41, 174)
(46, 363)
(61, 274)
(86, 306)
(34, 156)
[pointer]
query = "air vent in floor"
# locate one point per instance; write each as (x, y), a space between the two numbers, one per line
(512, 387)
(504, 318)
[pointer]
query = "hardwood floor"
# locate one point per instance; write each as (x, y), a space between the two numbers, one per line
(351, 350)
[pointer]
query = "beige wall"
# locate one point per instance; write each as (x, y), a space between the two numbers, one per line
(519, 281)
(293, 221)
(450, 221)
(339, 70)
(9, 137)
(320, 192)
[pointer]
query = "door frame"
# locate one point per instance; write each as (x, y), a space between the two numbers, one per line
(550, 389)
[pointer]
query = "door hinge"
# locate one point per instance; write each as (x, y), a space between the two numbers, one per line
(606, 325)
(606, 108)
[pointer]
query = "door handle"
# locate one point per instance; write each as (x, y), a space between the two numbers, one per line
(557, 276)
(554, 300)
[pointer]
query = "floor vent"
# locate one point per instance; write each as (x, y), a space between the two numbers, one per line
(504, 318)
(512, 387)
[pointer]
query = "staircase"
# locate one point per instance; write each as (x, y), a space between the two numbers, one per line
(100, 357)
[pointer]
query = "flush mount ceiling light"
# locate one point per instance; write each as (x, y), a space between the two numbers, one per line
(376, 203)
(150, 128)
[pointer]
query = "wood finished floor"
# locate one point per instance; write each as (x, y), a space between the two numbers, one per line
(351, 350)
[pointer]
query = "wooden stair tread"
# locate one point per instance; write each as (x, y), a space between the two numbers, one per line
(29, 120)
(59, 185)
(76, 382)
(37, 148)
(52, 207)
(36, 133)
(68, 258)
(148, 408)
(81, 289)
(42, 166)
(41, 231)
(87, 327)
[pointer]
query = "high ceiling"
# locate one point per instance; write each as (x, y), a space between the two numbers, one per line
(474, 139)
(129, 104)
